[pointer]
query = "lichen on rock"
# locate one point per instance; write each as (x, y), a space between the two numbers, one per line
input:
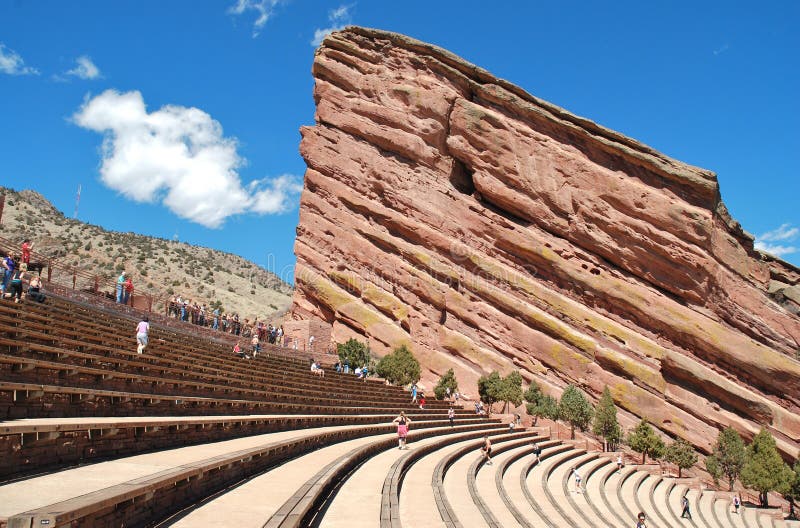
(452, 211)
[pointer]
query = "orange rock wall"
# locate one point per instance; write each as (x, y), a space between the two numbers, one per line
(451, 211)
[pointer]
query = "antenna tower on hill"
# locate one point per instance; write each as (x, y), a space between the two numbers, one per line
(77, 202)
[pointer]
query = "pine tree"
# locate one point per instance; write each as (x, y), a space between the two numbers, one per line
(354, 352)
(540, 405)
(489, 389)
(728, 457)
(575, 409)
(511, 389)
(682, 454)
(605, 420)
(447, 381)
(765, 470)
(644, 440)
(792, 494)
(400, 367)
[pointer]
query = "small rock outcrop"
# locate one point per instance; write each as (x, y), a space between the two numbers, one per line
(450, 210)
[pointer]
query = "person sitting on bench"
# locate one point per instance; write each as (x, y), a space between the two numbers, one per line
(35, 289)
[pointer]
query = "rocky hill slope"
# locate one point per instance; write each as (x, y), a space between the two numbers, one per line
(452, 211)
(157, 266)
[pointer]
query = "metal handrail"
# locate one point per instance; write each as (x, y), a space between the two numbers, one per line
(65, 276)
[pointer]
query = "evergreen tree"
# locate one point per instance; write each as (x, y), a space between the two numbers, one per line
(490, 388)
(644, 440)
(400, 367)
(354, 352)
(540, 405)
(682, 454)
(511, 389)
(447, 381)
(765, 470)
(605, 420)
(728, 457)
(792, 494)
(575, 409)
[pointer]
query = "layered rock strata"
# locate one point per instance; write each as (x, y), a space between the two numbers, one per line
(487, 229)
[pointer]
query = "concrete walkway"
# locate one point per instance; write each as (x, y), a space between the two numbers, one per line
(487, 488)
(255, 501)
(534, 483)
(512, 485)
(357, 504)
(417, 504)
(457, 492)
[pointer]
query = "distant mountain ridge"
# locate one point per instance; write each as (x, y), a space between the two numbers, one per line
(156, 265)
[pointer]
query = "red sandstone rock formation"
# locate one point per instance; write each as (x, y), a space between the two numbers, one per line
(487, 229)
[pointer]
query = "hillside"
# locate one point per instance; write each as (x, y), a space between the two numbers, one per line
(158, 266)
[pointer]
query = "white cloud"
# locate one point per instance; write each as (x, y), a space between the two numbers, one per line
(264, 9)
(85, 68)
(338, 19)
(784, 233)
(722, 49)
(12, 64)
(775, 249)
(177, 156)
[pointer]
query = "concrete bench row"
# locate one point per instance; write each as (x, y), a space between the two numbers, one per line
(177, 354)
(31, 446)
(121, 371)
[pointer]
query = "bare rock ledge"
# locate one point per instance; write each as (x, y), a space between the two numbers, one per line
(487, 229)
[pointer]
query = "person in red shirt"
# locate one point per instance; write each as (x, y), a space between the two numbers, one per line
(127, 286)
(27, 246)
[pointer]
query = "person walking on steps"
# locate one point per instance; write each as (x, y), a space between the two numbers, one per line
(685, 514)
(737, 503)
(487, 450)
(402, 422)
(537, 451)
(451, 414)
(414, 393)
(640, 520)
(141, 334)
(578, 479)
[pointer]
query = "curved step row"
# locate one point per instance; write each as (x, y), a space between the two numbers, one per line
(482, 481)
(595, 493)
(319, 495)
(507, 481)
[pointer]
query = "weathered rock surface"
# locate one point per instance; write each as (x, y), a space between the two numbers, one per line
(450, 210)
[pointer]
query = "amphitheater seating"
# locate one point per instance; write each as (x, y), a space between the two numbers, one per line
(189, 435)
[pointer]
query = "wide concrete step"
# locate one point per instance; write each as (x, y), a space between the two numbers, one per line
(595, 490)
(251, 503)
(512, 487)
(491, 499)
(418, 504)
(570, 495)
(537, 483)
(656, 503)
(583, 504)
(39, 492)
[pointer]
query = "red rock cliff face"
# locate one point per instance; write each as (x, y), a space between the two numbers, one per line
(450, 210)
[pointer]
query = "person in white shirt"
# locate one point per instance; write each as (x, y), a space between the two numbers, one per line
(142, 330)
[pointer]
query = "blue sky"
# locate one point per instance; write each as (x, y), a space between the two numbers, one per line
(715, 85)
